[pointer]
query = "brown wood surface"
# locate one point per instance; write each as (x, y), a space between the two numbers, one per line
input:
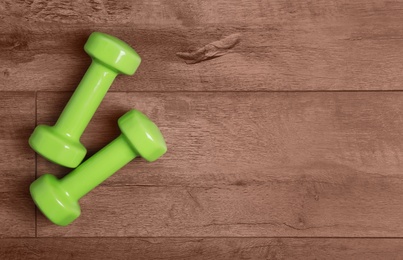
(284, 45)
(200, 248)
(247, 164)
(17, 164)
(283, 121)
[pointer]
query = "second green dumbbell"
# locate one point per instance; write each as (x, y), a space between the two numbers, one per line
(58, 199)
(61, 143)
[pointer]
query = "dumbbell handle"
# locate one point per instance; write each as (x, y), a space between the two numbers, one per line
(85, 100)
(98, 168)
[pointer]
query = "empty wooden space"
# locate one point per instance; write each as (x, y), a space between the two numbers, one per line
(283, 121)
(17, 164)
(202, 248)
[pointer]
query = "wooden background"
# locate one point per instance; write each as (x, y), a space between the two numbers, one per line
(283, 119)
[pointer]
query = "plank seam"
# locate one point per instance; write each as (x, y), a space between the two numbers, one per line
(241, 91)
(36, 162)
(203, 237)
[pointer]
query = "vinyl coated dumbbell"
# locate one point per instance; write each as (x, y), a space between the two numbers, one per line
(61, 143)
(58, 199)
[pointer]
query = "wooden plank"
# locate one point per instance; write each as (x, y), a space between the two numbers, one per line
(200, 248)
(247, 164)
(17, 164)
(190, 13)
(284, 45)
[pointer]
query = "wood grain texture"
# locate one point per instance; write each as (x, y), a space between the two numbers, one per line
(247, 164)
(17, 164)
(200, 248)
(266, 160)
(284, 45)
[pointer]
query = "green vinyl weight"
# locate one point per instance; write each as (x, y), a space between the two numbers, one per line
(58, 198)
(61, 143)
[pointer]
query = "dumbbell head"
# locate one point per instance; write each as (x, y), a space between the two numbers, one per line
(56, 147)
(55, 202)
(143, 135)
(112, 52)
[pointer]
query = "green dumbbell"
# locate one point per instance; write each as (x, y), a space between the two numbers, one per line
(58, 199)
(61, 143)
